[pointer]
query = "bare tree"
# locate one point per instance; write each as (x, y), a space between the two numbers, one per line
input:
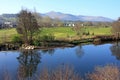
(108, 72)
(27, 25)
(47, 21)
(78, 29)
(116, 28)
(57, 22)
(39, 19)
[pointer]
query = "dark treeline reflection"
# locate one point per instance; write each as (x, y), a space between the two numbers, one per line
(78, 51)
(28, 62)
(115, 49)
(48, 51)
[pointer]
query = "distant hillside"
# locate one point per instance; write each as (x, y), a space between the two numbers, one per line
(61, 16)
(8, 17)
(71, 17)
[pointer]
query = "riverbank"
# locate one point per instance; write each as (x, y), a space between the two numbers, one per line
(56, 37)
(58, 43)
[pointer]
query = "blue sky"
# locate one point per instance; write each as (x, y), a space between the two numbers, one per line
(106, 8)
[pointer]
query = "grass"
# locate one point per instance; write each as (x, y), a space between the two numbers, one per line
(6, 35)
(58, 32)
(99, 30)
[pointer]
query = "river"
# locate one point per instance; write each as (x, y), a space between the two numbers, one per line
(83, 58)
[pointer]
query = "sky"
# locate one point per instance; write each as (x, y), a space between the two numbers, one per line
(105, 8)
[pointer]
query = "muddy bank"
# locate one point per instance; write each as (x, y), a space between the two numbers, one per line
(9, 46)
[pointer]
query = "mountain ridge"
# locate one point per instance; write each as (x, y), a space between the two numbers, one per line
(71, 17)
(62, 16)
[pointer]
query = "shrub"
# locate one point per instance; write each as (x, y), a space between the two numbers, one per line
(61, 73)
(88, 33)
(108, 72)
(49, 37)
(37, 40)
(93, 34)
(97, 41)
(41, 40)
(17, 39)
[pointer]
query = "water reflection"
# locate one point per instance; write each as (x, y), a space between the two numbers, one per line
(48, 51)
(115, 49)
(83, 58)
(29, 60)
(79, 51)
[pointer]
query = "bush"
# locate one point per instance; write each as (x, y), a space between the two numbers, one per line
(36, 43)
(60, 73)
(88, 33)
(17, 39)
(39, 40)
(49, 37)
(97, 41)
(93, 34)
(108, 72)
(64, 72)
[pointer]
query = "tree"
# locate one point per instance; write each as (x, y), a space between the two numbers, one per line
(78, 29)
(47, 21)
(27, 26)
(88, 23)
(39, 19)
(116, 28)
(57, 22)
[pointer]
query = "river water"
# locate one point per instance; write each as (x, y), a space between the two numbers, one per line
(83, 58)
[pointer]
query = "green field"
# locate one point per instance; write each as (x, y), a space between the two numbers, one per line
(58, 32)
(99, 30)
(6, 35)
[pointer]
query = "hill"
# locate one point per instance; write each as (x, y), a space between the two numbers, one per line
(61, 16)
(70, 17)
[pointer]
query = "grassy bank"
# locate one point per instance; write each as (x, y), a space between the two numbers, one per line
(59, 33)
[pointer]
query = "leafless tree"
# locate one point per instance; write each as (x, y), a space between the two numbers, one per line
(27, 25)
(108, 72)
(116, 28)
(57, 22)
(60, 73)
(47, 21)
(78, 29)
